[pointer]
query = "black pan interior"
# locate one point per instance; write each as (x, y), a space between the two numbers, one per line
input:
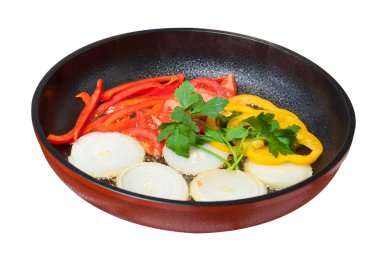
(262, 68)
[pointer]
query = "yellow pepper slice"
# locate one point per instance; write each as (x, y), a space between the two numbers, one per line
(284, 120)
(260, 153)
(220, 146)
(263, 156)
(246, 99)
(304, 137)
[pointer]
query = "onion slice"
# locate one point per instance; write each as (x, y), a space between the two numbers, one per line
(154, 179)
(198, 161)
(221, 185)
(105, 154)
(278, 176)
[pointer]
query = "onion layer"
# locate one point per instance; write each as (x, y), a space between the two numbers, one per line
(278, 176)
(220, 185)
(154, 179)
(198, 161)
(105, 154)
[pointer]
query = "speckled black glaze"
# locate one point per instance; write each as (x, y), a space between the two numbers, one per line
(262, 68)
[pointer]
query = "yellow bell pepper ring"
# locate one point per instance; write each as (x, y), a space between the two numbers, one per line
(243, 103)
(259, 153)
(220, 146)
(263, 156)
(251, 100)
(213, 123)
(284, 120)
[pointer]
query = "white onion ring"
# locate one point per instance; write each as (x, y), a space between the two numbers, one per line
(154, 179)
(278, 176)
(198, 161)
(221, 185)
(105, 154)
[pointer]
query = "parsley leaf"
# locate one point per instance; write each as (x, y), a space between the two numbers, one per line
(186, 95)
(167, 129)
(280, 141)
(212, 108)
(179, 143)
(235, 133)
(179, 114)
(213, 135)
(223, 120)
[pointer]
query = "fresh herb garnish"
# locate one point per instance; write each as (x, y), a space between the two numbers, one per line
(183, 132)
(266, 128)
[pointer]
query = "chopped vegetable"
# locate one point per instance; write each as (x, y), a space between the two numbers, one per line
(147, 138)
(88, 109)
(124, 94)
(228, 85)
(154, 179)
(104, 154)
(108, 94)
(222, 185)
(278, 176)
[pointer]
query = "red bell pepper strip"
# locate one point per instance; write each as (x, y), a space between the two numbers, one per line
(86, 98)
(88, 109)
(155, 110)
(108, 94)
(164, 91)
(113, 117)
(176, 80)
(118, 126)
(61, 139)
(69, 136)
(128, 102)
(123, 95)
(169, 87)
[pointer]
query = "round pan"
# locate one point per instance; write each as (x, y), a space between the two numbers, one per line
(262, 68)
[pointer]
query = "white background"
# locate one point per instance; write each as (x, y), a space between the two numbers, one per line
(40, 213)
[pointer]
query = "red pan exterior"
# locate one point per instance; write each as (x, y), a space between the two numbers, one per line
(184, 218)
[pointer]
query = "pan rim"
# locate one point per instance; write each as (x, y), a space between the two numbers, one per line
(50, 148)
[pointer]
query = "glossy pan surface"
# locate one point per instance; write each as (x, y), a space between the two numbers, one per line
(262, 68)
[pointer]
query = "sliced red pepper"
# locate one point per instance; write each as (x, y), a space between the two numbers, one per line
(168, 88)
(86, 98)
(155, 110)
(176, 80)
(113, 117)
(88, 109)
(128, 102)
(61, 139)
(147, 138)
(123, 95)
(108, 94)
(69, 136)
(118, 126)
